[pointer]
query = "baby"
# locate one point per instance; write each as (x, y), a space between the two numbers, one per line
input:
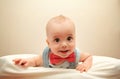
(61, 51)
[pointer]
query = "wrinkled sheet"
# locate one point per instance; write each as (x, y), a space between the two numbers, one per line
(103, 68)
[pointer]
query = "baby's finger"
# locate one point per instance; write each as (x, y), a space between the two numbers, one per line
(17, 61)
(22, 62)
(79, 67)
(87, 68)
(26, 65)
(82, 70)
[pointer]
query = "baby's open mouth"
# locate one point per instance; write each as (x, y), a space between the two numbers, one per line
(65, 51)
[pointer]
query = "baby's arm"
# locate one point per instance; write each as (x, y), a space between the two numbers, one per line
(26, 62)
(86, 60)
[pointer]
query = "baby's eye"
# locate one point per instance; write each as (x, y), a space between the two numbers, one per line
(57, 40)
(69, 38)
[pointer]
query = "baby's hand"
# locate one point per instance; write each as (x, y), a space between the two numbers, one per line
(21, 62)
(82, 68)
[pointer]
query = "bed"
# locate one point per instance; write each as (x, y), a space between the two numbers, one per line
(103, 68)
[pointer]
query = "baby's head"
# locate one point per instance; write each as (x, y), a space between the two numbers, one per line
(60, 32)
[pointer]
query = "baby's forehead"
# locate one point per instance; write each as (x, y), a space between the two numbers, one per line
(61, 25)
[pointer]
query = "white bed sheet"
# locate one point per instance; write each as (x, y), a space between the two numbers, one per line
(103, 68)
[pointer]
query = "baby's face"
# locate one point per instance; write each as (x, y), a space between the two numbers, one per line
(61, 38)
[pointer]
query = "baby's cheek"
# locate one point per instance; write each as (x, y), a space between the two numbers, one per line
(55, 50)
(71, 47)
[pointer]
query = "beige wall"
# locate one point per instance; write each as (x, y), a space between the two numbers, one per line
(22, 25)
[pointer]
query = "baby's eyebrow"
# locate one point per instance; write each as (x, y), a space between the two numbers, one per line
(56, 36)
(70, 35)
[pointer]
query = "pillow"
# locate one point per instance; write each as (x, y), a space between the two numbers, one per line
(103, 67)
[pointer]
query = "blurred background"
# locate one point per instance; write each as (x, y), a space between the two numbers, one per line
(22, 25)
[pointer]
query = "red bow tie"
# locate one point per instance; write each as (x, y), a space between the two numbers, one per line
(56, 59)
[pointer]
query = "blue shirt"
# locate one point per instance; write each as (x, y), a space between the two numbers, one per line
(72, 65)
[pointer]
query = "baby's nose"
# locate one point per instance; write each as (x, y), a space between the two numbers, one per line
(64, 45)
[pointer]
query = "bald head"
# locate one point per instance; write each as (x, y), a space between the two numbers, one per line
(59, 22)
